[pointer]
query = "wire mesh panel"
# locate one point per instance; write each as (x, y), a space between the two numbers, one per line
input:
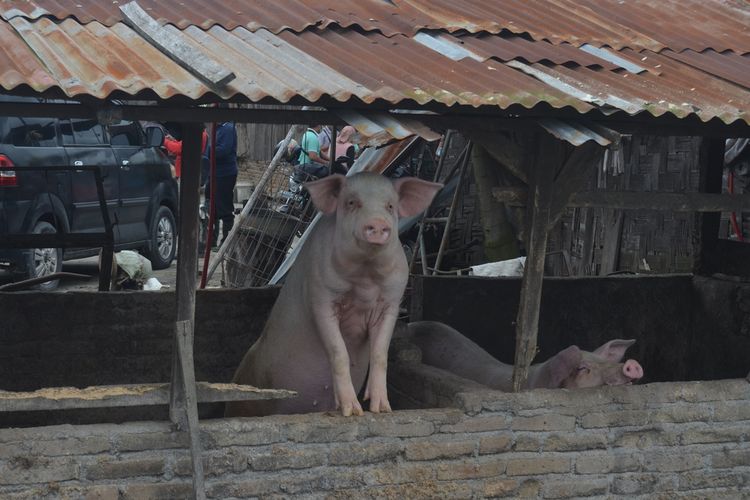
(270, 230)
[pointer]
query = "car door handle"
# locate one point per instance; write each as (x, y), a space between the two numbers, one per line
(125, 165)
(78, 163)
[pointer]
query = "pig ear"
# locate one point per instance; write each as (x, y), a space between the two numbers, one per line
(614, 350)
(562, 365)
(325, 192)
(414, 195)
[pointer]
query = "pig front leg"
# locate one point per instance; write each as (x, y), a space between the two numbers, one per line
(376, 390)
(330, 334)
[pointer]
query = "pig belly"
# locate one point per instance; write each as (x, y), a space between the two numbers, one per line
(298, 363)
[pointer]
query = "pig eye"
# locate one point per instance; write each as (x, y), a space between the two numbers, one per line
(390, 207)
(352, 204)
(584, 369)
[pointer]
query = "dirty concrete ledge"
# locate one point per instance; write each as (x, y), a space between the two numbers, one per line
(660, 440)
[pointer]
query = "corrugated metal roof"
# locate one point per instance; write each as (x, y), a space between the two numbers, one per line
(339, 65)
(652, 24)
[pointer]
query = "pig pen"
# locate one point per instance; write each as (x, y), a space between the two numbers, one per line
(685, 432)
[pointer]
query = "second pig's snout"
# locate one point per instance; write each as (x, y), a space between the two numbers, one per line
(377, 231)
(632, 369)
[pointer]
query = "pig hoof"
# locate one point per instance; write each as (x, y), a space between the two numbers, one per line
(348, 410)
(381, 407)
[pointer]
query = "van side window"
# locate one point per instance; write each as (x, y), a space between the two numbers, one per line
(126, 133)
(31, 132)
(81, 132)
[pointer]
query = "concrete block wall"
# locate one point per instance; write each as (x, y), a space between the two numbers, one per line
(82, 339)
(90, 338)
(661, 440)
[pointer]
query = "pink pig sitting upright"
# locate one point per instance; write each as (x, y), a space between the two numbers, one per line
(335, 314)
(446, 348)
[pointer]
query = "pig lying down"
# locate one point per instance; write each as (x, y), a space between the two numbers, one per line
(336, 311)
(446, 348)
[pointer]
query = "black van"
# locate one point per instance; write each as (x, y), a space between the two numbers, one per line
(140, 192)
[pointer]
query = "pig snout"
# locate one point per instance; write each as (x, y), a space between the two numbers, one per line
(632, 369)
(377, 231)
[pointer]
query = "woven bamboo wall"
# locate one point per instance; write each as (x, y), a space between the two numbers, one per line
(649, 240)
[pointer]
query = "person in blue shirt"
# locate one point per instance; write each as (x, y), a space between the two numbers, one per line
(311, 160)
(226, 178)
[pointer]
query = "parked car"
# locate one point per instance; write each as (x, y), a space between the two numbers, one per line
(141, 194)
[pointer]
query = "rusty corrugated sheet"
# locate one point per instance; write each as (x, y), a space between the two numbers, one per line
(727, 65)
(508, 48)
(340, 65)
(650, 24)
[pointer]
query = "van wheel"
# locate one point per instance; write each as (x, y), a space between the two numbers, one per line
(44, 261)
(163, 241)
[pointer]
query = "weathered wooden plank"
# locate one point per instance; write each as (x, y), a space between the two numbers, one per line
(184, 340)
(177, 46)
(183, 403)
(109, 396)
(187, 264)
(613, 220)
(627, 200)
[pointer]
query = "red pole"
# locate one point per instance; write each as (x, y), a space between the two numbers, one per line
(733, 215)
(211, 206)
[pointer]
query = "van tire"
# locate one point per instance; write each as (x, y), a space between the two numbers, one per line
(162, 239)
(44, 261)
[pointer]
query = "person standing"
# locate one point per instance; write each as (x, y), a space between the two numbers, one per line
(174, 147)
(226, 178)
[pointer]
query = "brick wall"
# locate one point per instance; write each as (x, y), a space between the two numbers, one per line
(661, 440)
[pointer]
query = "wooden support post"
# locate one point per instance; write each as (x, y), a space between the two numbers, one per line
(183, 406)
(546, 156)
(184, 344)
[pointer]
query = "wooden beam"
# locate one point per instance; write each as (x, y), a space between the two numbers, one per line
(545, 158)
(109, 396)
(467, 123)
(630, 200)
(176, 45)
